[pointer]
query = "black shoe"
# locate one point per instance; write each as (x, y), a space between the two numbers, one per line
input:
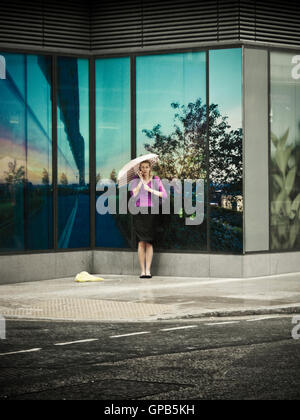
(143, 276)
(148, 276)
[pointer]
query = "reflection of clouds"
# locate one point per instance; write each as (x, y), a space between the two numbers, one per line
(9, 147)
(9, 152)
(4, 166)
(234, 116)
(72, 177)
(34, 167)
(37, 159)
(116, 161)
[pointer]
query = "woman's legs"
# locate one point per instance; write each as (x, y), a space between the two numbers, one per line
(142, 256)
(145, 254)
(149, 257)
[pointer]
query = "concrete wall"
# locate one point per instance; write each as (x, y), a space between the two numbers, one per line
(200, 265)
(32, 267)
(170, 264)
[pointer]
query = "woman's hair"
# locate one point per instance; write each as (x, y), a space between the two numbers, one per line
(146, 161)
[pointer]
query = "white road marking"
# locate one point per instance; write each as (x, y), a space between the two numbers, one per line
(224, 323)
(21, 351)
(146, 332)
(262, 318)
(76, 342)
(128, 335)
(179, 328)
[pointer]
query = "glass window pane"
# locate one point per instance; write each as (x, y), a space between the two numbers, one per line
(285, 151)
(73, 153)
(226, 150)
(25, 153)
(113, 149)
(171, 122)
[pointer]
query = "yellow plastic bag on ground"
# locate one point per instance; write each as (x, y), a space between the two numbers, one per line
(84, 277)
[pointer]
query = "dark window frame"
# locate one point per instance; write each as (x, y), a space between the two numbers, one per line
(92, 57)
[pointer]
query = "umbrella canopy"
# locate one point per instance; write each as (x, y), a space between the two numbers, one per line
(128, 171)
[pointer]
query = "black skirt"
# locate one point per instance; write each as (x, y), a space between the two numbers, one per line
(145, 226)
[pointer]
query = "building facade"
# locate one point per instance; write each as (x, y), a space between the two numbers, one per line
(212, 87)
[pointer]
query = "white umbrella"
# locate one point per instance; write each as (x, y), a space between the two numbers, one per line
(128, 171)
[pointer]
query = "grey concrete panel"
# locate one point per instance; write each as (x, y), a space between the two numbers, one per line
(185, 265)
(256, 265)
(113, 262)
(10, 267)
(69, 265)
(32, 267)
(226, 266)
(288, 262)
(256, 173)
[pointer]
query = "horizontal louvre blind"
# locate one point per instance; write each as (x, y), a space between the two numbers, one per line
(152, 23)
(116, 24)
(228, 27)
(173, 22)
(108, 25)
(271, 21)
(21, 25)
(247, 19)
(147, 23)
(67, 24)
(41, 23)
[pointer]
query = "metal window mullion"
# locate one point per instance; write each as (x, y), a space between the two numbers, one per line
(54, 151)
(25, 183)
(269, 146)
(243, 149)
(207, 156)
(92, 154)
(133, 125)
(133, 105)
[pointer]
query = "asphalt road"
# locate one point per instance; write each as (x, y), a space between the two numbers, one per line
(238, 358)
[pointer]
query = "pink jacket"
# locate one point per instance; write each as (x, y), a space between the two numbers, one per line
(144, 197)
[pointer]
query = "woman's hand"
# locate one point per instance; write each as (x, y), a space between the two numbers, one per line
(150, 190)
(140, 176)
(139, 186)
(147, 188)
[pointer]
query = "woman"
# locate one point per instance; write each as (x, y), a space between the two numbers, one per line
(145, 224)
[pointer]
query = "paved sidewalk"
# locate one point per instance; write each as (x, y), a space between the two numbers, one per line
(129, 298)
